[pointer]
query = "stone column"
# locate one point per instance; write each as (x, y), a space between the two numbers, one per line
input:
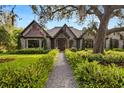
(22, 41)
(108, 43)
(48, 42)
(81, 43)
(120, 43)
(40, 43)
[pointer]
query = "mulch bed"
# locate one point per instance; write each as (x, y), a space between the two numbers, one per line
(3, 60)
(120, 64)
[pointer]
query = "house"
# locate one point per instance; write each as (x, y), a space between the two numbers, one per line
(34, 36)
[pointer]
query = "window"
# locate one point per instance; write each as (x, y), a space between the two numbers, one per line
(33, 43)
(114, 43)
(88, 43)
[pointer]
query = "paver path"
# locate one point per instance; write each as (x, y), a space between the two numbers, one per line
(61, 76)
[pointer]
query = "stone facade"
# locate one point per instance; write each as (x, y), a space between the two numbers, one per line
(34, 36)
(115, 36)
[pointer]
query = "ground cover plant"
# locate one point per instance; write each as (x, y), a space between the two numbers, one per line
(90, 72)
(35, 74)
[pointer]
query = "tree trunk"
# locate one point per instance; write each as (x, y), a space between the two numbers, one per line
(100, 41)
(101, 33)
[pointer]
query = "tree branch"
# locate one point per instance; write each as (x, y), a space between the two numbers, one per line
(113, 30)
(96, 11)
(12, 10)
(117, 7)
(60, 9)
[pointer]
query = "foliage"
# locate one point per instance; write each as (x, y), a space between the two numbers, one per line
(94, 75)
(9, 37)
(109, 56)
(118, 49)
(4, 38)
(35, 75)
(29, 51)
(73, 49)
(16, 36)
(90, 73)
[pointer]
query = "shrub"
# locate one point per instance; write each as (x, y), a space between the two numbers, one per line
(73, 49)
(72, 57)
(113, 58)
(1, 51)
(109, 56)
(89, 73)
(94, 75)
(118, 49)
(33, 76)
(29, 51)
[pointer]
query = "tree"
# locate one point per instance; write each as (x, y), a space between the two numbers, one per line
(5, 38)
(7, 17)
(8, 32)
(16, 37)
(104, 13)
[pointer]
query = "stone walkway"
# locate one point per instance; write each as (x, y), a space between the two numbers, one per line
(61, 76)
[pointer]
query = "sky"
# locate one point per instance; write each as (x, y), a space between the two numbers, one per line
(25, 13)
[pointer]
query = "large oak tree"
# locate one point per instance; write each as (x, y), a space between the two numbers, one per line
(103, 12)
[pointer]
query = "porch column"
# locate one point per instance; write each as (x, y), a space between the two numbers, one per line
(40, 43)
(120, 43)
(108, 43)
(22, 41)
(80, 43)
(67, 42)
(48, 41)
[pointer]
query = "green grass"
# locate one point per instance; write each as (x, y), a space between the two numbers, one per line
(20, 61)
(27, 70)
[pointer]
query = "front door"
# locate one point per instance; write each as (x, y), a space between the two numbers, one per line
(61, 43)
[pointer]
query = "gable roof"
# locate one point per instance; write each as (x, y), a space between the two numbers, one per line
(87, 31)
(64, 27)
(54, 31)
(77, 32)
(37, 33)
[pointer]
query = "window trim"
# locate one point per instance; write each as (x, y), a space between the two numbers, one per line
(34, 39)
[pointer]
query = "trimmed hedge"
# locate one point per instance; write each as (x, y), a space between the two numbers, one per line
(90, 74)
(94, 75)
(1, 51)
(33, 76)
(116, 49)
(28, 51)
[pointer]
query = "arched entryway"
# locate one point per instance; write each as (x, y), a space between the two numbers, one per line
(62, 43)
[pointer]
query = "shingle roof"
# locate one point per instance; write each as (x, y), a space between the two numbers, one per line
(52, 32)
(36, 33)
(77, 32)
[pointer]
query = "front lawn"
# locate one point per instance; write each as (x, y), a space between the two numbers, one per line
(19, 61)
(26, 71)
